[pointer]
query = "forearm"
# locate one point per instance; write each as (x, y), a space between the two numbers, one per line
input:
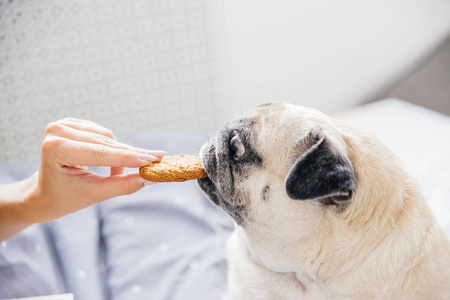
(13, 201)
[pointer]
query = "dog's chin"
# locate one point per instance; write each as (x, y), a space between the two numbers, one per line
(209, 189)
(237, 212)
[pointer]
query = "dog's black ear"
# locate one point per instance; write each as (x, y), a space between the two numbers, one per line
(320, 173)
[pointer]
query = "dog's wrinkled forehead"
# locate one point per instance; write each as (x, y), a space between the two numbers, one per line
(280, 126)
(276, 116)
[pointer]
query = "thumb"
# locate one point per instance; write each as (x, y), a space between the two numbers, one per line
(118, 185)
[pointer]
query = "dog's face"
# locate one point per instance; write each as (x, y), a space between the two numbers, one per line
(277, 170)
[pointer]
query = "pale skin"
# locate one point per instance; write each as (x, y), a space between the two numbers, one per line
(63, 184)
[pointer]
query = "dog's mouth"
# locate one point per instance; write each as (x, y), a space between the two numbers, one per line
(207, 157)
(209, 163)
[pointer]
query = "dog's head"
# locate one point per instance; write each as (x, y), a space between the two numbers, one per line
(280, 163)
(313, 197)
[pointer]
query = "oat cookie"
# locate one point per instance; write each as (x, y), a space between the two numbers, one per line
(174, 168)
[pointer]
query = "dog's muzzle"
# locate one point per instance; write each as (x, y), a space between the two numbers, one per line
(218, 186)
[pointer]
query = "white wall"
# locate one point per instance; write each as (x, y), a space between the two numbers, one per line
(326, 54)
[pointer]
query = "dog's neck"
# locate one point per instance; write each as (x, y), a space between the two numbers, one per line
(335, 269)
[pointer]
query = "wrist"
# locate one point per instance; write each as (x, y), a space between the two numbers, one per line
(14, 206)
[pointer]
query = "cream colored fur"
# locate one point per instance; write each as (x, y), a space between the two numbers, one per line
(385, 244)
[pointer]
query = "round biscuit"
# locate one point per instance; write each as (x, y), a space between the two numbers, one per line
(176, 168)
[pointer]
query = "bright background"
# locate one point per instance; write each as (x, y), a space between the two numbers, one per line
(326, 54)
(171, 65)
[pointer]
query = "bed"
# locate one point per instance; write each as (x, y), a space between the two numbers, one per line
(168, 241)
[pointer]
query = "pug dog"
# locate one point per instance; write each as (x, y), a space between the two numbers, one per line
(322, 211)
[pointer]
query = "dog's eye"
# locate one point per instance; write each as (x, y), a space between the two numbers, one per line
(236, 146)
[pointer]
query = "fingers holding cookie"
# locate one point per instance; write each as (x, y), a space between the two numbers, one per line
(101, 142)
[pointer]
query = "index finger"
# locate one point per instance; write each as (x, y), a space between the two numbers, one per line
(74, 153)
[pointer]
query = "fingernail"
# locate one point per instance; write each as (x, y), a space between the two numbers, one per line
(147, 157)
(157, 153)
(147, 183)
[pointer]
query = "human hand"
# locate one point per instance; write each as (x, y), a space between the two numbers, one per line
(64, 184)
